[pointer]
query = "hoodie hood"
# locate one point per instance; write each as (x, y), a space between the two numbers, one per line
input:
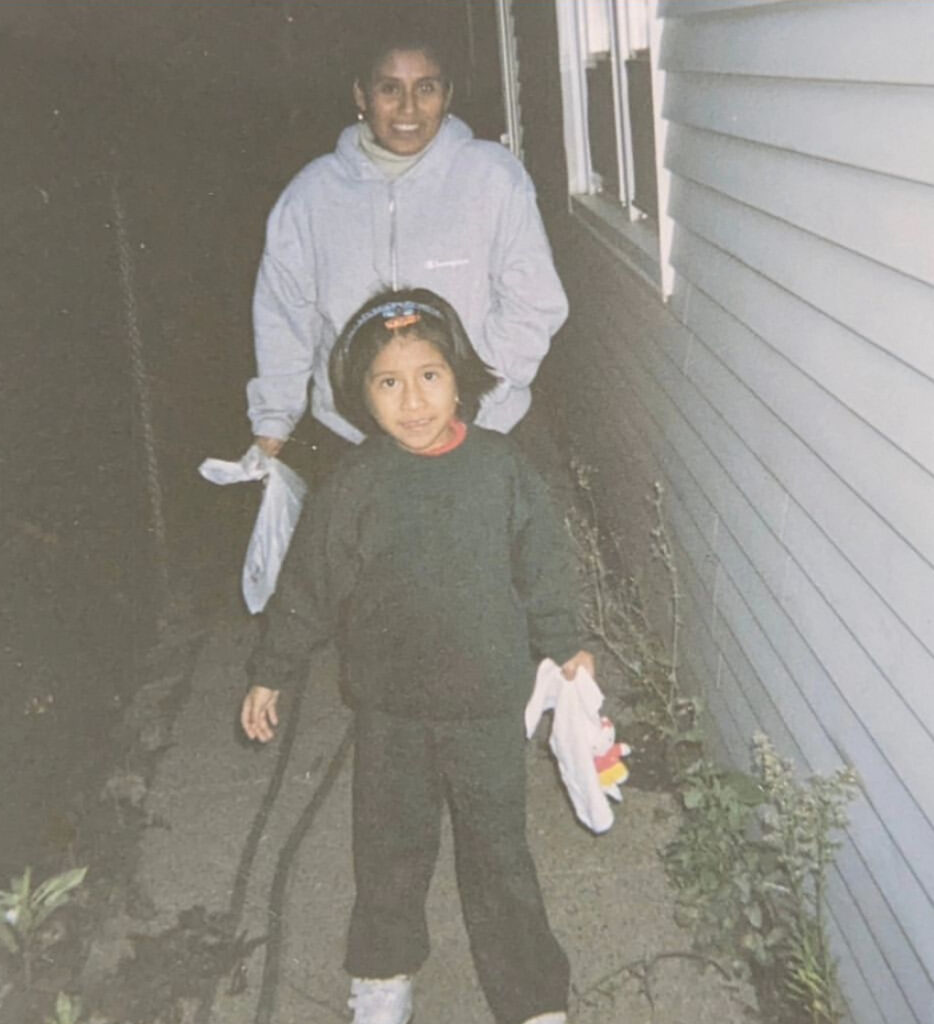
(452, 134)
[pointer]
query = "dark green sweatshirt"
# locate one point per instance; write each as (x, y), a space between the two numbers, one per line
(443, 580)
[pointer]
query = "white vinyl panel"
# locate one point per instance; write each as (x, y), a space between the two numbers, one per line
(840, 474)
(699, 651)
(632, 424)
(749, 482)
(826, 728)
(736, 518)
(687, 513)
(617, 403)
(738, 510)
(907, 660)
(901, 929)
(896, 652)
(690, 509)
(884, 392)
(834, 40)
(866, 976)
(786, 721)
(754, 615)
(688, 520)
(854, 985)
(900, 735)
(701, 629)
(883, 128)
(730, 697)
(887, 308)
(892, 647)
(907, 908)
(674, 445)
(905, 982)
(725, 499)
(701, 449)
(730, 702)
(887, 219)
(724, 704)
(731, 738)
(691, 8)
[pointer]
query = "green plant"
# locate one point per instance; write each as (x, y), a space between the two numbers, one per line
(750, 864)
(67, 1010)
(614, 612)
(751, 857)
(24, 910)
(713, 863)
(799, 826)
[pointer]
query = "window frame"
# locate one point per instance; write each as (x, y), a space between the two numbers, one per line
(509, 63)
(643, 244)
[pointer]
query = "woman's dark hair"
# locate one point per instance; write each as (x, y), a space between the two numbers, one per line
(371, 328)
(394, 31)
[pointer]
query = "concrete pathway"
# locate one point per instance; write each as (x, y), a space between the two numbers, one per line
(264, 835)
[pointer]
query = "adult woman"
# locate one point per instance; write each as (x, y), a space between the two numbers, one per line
(407, 197)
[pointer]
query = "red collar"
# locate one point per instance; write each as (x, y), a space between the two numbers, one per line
(459, 432)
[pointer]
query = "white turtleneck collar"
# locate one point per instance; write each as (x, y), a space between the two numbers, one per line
(391, 164)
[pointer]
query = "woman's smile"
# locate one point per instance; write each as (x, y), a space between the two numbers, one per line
(405, 101)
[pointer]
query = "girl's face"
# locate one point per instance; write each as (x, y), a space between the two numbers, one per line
(411, 392)
(404, 101)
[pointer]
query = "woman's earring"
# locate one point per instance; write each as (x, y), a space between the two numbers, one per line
(359, 115)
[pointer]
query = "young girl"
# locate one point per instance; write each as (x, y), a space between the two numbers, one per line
(433, 558)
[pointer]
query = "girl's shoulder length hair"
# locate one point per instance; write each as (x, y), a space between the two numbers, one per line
(376, 323)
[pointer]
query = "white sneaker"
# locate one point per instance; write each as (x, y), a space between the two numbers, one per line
(549, 1018)
(381, 1000)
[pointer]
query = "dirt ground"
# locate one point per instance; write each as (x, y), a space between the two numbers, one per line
(143, 146)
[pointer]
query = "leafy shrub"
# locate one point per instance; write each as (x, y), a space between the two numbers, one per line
(750, 864)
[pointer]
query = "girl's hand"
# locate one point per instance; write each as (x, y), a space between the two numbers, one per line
(258, 716)
(583, 659)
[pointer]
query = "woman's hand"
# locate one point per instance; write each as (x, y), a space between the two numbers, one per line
(270, 446)
(258, 716)
(583, 659)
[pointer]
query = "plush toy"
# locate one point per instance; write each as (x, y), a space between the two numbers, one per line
(611, 770)
(583, 742)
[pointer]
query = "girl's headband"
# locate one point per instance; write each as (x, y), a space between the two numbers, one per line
(395, 315)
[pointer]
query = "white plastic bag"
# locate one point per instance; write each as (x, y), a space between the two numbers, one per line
(579, 734)
(278, 513)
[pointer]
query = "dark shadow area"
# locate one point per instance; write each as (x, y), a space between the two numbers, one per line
(144, 144)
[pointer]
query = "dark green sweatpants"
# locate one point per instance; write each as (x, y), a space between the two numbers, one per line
(403, 772)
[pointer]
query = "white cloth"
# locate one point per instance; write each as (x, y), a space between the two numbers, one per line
(578, 735)
(283, 495)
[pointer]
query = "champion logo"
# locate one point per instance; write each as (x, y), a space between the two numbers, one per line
(445, 264)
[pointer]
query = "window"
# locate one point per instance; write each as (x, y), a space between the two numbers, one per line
(610, 85)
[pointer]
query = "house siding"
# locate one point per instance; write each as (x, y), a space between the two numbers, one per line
(785, 398)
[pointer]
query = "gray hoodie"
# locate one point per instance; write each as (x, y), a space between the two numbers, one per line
(461, 221)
